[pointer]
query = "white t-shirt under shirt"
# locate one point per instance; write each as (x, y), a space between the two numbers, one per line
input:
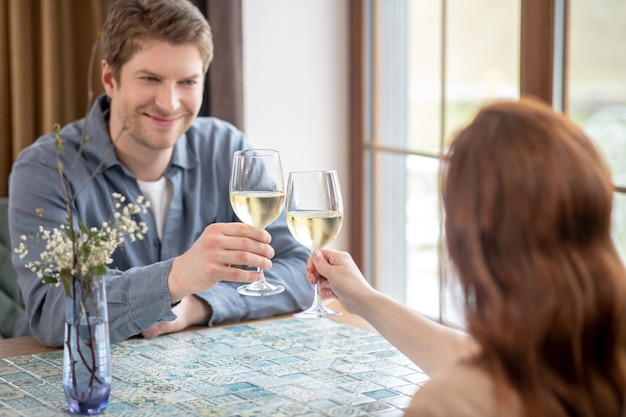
(159, 193)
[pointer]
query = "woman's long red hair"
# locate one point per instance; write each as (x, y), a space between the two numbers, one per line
(528, 204)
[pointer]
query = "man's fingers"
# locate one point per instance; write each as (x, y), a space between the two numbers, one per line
(242, 230)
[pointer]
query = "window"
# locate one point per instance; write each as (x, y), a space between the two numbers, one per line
(421, 69)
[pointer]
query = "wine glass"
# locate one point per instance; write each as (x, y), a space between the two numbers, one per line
(314, 215)
(257, 195)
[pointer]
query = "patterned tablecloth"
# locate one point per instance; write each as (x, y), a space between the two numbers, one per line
(288, 367)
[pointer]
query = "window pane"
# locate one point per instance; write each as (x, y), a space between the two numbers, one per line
(597, 77)
(482, 57)
(388, 244)
(597, 88)
(392, 74)
(619, 223)
(407, 234)
(425, 75)
(422, 234)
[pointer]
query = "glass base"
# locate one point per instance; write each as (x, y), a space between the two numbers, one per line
(89, 407)
(260, 289)
(317, 312)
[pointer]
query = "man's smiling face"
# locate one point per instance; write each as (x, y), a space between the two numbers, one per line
(157, 96)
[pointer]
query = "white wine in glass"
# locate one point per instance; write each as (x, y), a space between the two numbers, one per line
(257, 195)
(314, 210)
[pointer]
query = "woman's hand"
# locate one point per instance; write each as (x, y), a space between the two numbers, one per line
(339, 277)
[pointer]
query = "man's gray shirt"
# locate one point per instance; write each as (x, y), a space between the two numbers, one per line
(137, 288)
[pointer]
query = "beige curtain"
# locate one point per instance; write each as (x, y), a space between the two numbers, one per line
(45, 47)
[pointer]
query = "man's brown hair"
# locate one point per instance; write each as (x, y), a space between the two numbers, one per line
(130, 23)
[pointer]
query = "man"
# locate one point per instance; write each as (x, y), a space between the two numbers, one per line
(144, 139)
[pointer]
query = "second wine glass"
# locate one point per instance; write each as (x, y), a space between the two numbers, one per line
(314, 208)
(257, 195)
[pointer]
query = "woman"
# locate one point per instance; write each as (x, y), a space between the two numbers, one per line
(528, 203)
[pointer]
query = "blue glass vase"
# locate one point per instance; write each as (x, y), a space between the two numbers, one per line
(86, 350)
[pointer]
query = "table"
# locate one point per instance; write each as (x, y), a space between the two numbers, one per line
(281, 368)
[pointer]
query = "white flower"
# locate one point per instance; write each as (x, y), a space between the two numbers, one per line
(83, 252)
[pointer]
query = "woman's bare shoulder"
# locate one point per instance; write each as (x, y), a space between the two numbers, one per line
(463, 390)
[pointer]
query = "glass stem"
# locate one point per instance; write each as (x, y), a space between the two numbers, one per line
(262, 282)
(317, 300)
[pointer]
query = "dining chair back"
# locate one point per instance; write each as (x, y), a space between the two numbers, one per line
(10, 305)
